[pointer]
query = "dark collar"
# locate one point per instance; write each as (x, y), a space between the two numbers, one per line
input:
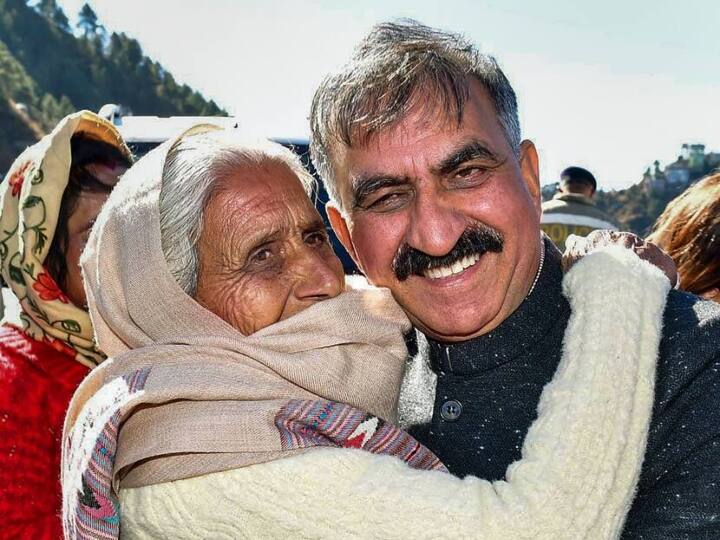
(521, 330)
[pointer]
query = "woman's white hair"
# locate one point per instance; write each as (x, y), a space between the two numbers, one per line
(194, 166)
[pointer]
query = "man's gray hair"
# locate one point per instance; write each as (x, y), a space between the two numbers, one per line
(194, 167)
(397, 66)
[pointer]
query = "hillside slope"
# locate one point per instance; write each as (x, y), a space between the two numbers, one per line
(52, 70)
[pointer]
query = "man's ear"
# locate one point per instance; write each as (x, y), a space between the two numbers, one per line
(530, 170)
(340, 226)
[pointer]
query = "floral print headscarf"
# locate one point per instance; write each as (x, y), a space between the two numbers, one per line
(30, 200)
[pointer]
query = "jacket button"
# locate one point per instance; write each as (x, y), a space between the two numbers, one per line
(451, 410)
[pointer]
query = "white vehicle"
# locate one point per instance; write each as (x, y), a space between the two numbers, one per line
(143, 133)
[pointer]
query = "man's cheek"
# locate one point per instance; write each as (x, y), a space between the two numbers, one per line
(376, 248)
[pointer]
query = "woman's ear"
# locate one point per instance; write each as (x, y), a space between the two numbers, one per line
(339, 225)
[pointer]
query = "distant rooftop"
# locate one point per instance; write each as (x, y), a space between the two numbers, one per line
(140, 129)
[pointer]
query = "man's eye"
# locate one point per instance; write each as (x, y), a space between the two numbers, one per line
(468, 172)
(469, 176)
(388, 202)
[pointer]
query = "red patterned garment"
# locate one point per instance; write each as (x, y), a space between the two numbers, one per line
(37, 381)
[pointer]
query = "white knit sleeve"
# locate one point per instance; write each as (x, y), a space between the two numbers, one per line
(581, 457)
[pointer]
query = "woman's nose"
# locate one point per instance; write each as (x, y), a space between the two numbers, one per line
(320, 276)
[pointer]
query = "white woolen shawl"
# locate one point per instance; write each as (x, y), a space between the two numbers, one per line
(577, 477)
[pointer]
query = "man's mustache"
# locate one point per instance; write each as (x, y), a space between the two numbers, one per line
(477, 239)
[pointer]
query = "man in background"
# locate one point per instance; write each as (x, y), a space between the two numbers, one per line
(572, 210)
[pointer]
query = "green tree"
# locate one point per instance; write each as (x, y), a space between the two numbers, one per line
(54, 72)
(88, 22)
(54, 13)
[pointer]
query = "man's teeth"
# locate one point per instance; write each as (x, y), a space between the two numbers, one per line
(455, 268)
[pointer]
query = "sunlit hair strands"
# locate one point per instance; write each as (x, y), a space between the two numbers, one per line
(394, 68)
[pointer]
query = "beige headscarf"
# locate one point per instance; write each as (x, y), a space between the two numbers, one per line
(209, 395)
(31, 197)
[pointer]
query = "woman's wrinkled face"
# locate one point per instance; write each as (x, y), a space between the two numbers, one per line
(264, 251)
(79, 224)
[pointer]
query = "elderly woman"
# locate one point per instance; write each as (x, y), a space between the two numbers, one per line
(689, 230)
(50, 199)
(252, 394)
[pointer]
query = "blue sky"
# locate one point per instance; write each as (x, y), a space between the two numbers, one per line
(608, 85)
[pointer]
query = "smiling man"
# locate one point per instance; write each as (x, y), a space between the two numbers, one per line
(436, 197)
(474, 258)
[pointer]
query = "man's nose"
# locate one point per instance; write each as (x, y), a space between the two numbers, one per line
(435, 226)
(318, 276)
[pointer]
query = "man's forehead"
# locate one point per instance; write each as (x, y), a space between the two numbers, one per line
(428, 116)
(429, 119)
(425, 135)
(428, 149)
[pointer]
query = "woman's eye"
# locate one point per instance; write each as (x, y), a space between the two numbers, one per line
(262, 255)
(265, 257)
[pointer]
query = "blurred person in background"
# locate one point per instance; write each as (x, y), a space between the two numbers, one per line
(572, 210)
(689, 231)
(50, 199)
